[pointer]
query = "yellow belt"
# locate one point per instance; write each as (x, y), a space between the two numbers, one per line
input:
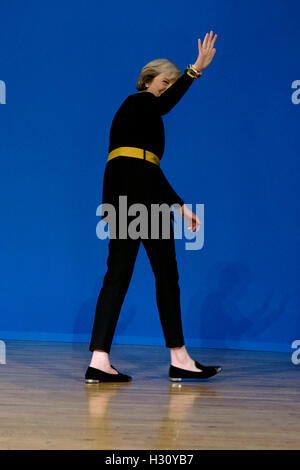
(134, 152)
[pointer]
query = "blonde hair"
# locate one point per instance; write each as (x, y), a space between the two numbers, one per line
(154, 68)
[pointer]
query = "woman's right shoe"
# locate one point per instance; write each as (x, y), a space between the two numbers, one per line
(96, 376)
(177, 374)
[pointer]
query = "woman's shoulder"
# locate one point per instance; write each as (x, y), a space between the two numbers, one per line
(138, 99)
(141, 95)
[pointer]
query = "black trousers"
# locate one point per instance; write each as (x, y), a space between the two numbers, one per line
(120, 265)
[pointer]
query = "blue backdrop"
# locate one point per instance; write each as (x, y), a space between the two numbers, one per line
(232, 144)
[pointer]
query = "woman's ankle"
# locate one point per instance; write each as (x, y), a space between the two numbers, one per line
(99, 358)
(180, 355)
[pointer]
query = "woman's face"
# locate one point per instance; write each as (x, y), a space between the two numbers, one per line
(159, 84)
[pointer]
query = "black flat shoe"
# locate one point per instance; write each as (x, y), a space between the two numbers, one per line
(96, 376)
(177, 374)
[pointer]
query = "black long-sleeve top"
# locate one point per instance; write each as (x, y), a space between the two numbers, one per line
(138, 123)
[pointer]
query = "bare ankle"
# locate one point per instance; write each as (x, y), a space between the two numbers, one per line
(100, 358)
(180, 356)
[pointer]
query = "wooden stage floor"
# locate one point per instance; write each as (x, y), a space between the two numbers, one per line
(45, 404)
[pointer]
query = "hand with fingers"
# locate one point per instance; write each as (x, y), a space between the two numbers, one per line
(206, 51)
(191, 218)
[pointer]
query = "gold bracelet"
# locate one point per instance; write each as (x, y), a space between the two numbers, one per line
(192, 72)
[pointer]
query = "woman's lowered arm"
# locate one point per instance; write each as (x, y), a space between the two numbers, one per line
(170, 194)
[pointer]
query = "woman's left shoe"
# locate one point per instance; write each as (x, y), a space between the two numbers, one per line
(176, 374)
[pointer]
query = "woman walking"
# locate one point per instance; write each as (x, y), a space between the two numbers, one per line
(133, 170)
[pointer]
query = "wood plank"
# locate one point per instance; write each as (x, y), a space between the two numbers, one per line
(45, 404)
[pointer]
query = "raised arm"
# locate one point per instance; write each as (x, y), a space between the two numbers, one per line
(167, 100)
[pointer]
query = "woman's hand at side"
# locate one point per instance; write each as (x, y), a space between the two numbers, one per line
(192, 219)
(206, 51)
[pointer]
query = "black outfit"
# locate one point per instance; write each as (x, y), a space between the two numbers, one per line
(138, 123)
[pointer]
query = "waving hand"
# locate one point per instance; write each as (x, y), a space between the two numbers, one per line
(206, 51)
